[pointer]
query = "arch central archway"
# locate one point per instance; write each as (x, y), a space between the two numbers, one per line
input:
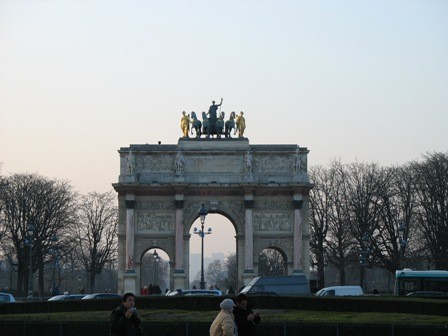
(261, 189)
(219, 247)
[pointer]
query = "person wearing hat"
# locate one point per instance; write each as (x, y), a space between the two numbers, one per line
(224, 323)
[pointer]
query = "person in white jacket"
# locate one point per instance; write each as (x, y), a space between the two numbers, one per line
(224, 323)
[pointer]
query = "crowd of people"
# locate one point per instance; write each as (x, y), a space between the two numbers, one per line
(151, 290)
(235, 318)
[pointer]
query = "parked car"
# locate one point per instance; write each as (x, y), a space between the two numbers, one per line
(66, 297)
(428, 294)
(278, 285)
(97, 296)
(341, 291)
(7, 298)
(189, 292)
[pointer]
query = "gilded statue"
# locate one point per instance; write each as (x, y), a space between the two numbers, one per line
(240, 125)
(185, 124)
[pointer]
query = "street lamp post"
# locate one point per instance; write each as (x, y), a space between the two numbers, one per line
(403, 242)
(156, 257)
(363, 258)
(30, 230)
(54, 240)
(202, 213)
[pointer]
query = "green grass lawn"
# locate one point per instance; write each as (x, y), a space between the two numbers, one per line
(268, 316)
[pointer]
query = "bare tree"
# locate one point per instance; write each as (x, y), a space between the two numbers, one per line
(363, 187)
(431, 179)
(154, 271)
(321, 204)
(271, 262)
(96, 233)
(398, 202)
(231, 269)
(340, 237)
(48, 205)
(215, 273)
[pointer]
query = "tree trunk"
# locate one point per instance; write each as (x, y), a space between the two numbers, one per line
(342, 275)
(92, 282)
(41, 279)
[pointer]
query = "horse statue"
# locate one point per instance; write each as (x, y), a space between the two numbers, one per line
(196, 125)
(204, 123)
(230, 124)
(220, 125)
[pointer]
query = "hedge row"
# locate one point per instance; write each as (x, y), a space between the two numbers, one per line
(194, 329)
(200, 303)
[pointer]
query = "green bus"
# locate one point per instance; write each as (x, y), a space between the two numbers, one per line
(421, 283)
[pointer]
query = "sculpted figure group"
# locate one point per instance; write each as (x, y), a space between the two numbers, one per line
(213, 123)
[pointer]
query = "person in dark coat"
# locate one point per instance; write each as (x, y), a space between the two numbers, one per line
(124, 319)
(245, 318)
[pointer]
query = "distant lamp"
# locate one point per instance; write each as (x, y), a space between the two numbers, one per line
(202, 212)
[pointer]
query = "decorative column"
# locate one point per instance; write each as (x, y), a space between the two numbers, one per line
(297, 262)
(130, 275)
(179, 273)
(248, 274)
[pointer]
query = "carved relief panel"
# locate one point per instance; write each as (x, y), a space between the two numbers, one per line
(272, 215)
(154, 216)
(272, 164)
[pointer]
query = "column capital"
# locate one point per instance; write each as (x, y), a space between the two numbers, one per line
(297, 204)
(130, 204)
(249, 204)
(179, 204)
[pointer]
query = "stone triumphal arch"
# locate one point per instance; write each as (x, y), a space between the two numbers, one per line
(262, 189)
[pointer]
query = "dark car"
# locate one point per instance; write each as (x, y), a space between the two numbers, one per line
(97, 296)
(66, 297)
(428, 294)
(6, 298)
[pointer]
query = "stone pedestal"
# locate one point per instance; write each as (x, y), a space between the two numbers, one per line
(180, 280)
(248, 277)
(130, 284)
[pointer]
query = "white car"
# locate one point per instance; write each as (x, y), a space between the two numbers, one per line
(341, 291)
(7, 298)
(202, 292)
(99, 296)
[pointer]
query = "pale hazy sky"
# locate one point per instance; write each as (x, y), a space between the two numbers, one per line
(355, 80)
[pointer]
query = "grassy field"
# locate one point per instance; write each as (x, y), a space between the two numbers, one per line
(268, 316)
